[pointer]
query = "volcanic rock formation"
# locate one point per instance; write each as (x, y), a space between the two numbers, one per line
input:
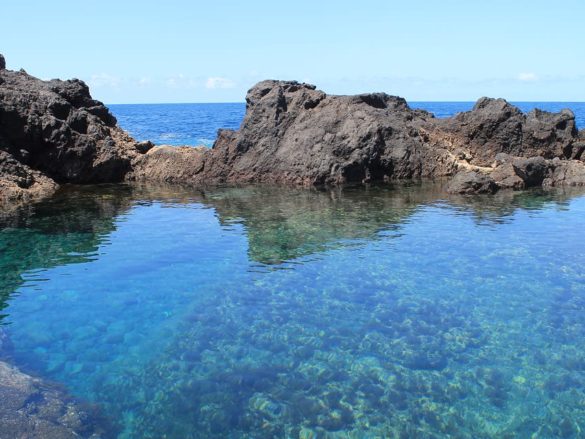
(53, 132)
(293, 133)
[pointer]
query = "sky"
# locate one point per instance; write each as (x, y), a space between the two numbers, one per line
(214, 51)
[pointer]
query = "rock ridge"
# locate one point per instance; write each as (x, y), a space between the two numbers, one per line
(54, 132)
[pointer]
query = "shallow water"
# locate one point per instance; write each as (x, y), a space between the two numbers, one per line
(391, 311)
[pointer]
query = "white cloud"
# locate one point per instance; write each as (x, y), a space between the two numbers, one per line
(104, 80)
(527, 77)
(218, 82)
(176, 80)
(142, 82)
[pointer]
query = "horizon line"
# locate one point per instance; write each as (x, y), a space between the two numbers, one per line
(407, 101)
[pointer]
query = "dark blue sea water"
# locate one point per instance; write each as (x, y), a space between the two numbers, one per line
(197, 124)
(393, 311)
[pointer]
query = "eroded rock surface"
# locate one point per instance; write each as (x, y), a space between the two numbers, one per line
(34, 409)
(31, 409)
(294, 133)
(53, 132)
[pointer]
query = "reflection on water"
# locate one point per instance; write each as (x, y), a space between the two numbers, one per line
(262, 312)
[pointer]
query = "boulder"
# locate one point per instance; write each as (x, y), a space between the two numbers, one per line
(566, 173)
(471, 182)
(54, 132)
(505, 177)
(494, 127)
(532, 170)
(34, 409)
(2, 62)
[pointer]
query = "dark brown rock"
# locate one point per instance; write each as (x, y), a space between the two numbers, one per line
(471, 182)
(566, 173)
(18, 182)
(33, 409)
(57, 133)
(494, 126)
(294, 133)
(54, 132)
(532, 170)
(505, 177)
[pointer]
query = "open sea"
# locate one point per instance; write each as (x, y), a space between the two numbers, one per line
(390, 311)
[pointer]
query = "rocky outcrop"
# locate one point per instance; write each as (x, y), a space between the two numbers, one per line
(294, 133)
(30, 408)
(34, 409)
(472, 182)
(53, 132)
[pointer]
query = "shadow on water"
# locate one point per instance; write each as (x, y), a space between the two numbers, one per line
(401, 312)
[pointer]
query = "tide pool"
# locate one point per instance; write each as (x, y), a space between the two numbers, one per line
(261, 312)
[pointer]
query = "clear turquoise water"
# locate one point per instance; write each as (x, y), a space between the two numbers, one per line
(197, 124)
(258, 312)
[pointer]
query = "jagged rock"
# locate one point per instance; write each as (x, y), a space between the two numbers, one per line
(532, 170)
(58, 134)
(494, 126)
(20, 182)
(33, 409)
(566, 173)
(505, 177)
(291, 133)
(294, 133)
(2, 62)
(471, 182)
(145, 146)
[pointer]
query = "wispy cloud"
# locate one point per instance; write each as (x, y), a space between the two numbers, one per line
(528, 76)
(142, 82)
(104, 80)
(218, 82)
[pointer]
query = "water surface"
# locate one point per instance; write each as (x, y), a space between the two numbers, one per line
(257, 312)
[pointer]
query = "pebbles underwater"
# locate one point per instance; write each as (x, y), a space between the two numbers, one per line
(256, 312)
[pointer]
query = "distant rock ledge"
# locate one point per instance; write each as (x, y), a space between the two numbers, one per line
(53, 132)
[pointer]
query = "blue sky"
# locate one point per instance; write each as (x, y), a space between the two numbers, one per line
(199, 51)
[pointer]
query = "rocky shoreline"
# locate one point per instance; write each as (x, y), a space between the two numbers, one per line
(34, 408)
(53, 132)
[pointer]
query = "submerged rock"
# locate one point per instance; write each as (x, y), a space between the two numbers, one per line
(30, 408)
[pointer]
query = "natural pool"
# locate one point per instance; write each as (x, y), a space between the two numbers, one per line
(256, 312)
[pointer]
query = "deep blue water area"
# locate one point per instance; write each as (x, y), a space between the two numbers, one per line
(178, 124)
(258, 312)
(197, 124)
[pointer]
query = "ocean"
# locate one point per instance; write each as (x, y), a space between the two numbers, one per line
(197, 124)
